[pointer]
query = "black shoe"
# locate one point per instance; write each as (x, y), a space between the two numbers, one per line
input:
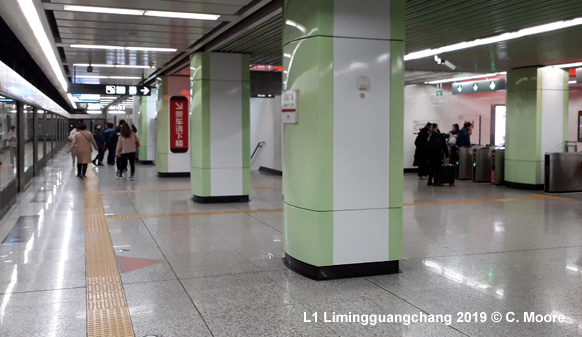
(84, 176)
(80, 176)
(100, 164)
(119, 174)
(93, 161)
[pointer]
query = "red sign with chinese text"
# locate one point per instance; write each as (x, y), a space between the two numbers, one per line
(178, 124)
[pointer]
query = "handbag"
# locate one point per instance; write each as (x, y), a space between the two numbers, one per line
(452, 140)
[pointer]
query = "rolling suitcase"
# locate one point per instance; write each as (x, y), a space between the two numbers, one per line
(448, 172)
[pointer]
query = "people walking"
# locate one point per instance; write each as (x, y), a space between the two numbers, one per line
(127, 144)
(436, 151)
(12, 144)
(83, 141)
(73, 150)
(100, 140)
(110, 139)
(420, 158)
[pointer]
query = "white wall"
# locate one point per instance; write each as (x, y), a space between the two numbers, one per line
(266, 127)
(422, 104)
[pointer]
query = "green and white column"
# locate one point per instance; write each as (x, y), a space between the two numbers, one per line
(537, 116)
(220, 127)
(168, 162)
(343, 160)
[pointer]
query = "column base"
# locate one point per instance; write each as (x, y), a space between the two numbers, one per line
(341, 271)
(173, 174)
(270, 170)
(521, 186)
(223, 199)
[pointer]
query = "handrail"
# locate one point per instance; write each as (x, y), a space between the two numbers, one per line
(260, 144)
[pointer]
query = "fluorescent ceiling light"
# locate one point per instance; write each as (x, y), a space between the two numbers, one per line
(152, 49)
(31, 15)
(104, 10)
(90, 76)
(70, 97)
(182, 15)
(116, 112)
(457, 79)
(125, 77)
(110, 77)
(94, 65)
(132, 66)
(97, 46)
(493, 39)
(571, 82)
(162, 14)
(94, 112)
(568, 65)
(111, 65)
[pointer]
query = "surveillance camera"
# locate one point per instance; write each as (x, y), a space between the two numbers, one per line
(90, 69)
(449, 65)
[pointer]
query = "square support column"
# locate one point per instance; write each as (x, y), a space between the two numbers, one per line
(220, 129)
(169, 161)
(343, 160)
(537, 116)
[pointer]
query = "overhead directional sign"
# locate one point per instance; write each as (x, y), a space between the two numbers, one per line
(479, 86)
(110, 89)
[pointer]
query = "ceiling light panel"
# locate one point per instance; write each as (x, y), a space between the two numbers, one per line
(182, 15)
(139, 12)
(97, 46)
(31, 15)
(111, 66)
(494, 39)
(103, 10)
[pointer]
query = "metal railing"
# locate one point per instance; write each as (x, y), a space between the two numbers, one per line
(260, 144)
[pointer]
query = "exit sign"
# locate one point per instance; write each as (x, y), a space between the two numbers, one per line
(439, 93)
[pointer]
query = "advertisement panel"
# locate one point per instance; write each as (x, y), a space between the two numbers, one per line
(178, 124)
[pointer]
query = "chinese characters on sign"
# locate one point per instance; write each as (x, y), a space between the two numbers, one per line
(178, 124)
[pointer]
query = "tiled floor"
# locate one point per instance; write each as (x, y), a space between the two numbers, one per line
(222, 275)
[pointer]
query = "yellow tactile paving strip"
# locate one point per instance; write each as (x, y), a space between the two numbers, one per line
(107, 312)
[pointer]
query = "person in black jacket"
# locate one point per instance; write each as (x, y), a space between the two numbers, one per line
(420, 159)
(100, 140)
(436, 150)
(110, 138)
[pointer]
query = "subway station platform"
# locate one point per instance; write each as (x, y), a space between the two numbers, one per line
(189, 269)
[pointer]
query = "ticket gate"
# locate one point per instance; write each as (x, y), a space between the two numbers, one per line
(482, 165)
(563, 172)
(466, 163)
(498, 166)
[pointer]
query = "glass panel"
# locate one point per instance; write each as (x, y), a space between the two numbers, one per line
(40, 131)
(51, 132)
(8, 142)
(27, 129)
